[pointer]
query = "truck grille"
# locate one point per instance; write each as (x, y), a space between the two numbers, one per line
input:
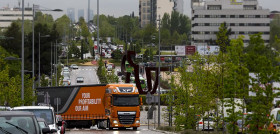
(126, 119)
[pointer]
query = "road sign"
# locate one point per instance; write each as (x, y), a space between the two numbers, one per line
(47, 98)
(57, 101)
(149, 98)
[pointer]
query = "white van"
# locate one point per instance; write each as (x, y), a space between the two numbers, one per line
(276, 117)
(45, 112)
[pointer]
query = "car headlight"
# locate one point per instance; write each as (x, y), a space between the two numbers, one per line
(137, 121)
(115, 122)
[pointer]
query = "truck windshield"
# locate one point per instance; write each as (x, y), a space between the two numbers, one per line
(41, 113)
(278, 116)
(126, 100)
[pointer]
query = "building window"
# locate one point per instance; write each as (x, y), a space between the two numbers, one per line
(249, 7)
(214, 7)
(200, 16)
(144, 10)
(144, 4)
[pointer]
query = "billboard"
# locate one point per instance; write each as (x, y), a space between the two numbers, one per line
(236, 2)
(180, 50)
(207, 50)
(190, 50)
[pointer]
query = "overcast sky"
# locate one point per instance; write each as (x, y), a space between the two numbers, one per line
(109, 7)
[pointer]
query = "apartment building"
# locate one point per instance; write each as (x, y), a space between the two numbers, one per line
(150, 10)
(8, 15)
(244, 17)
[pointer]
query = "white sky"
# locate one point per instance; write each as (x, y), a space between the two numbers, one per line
(109, 7)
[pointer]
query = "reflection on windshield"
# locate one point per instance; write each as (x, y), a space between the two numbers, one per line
(125, 100)
(17, 125)
(41, 113)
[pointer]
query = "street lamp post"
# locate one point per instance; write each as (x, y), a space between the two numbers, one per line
(98, 27)
(22, 53)
(159, 72)
(40, 57)
(33, 38)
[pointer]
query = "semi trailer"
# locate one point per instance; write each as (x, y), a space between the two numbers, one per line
(105, 105)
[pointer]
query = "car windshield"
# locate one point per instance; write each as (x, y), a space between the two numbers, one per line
(125, 100)
(278, 116)
(17, 125)
(41, 113)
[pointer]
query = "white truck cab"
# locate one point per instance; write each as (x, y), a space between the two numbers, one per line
(45, 112)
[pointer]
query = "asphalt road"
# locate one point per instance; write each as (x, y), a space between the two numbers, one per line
(88, 72)
(141, 130)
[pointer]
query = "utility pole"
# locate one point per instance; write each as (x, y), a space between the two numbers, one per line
(159, 71)
(33, 72)
(51, 66)
(56, 64)
(39, 62)
(98, 48)
(22, 53)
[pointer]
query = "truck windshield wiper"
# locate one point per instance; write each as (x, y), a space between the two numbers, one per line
(4, 131)
(22, 130)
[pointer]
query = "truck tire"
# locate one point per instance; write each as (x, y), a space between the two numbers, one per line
(109, 125)
(134, 128)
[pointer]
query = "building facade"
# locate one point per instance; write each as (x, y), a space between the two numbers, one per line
(8, 15)
(81, 13)
(71, 14)
(244, 17)
(150, 10)
(179, 6)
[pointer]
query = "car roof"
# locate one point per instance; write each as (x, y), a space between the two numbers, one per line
(41, 120)
(16, 113)
(34, 107)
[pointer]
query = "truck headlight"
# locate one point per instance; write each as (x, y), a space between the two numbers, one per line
(137, 121)
(115, 122)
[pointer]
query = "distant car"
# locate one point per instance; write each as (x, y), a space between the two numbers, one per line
(20, 122)
(74, 66)
(108, 56)
(80, 79)
(109, 67)
(66, 73)
(203, 124)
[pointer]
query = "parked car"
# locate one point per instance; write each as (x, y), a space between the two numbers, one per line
(74, 66)
(45, 112)
(203, 124)
(108, 56)
(19, 122)
(80, 79)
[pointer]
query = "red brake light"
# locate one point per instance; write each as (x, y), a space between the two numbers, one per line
(201, 122)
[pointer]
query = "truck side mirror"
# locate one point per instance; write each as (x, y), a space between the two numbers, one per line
(110, 101)
(141, 102)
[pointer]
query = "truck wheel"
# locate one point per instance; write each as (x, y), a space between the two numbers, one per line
(108, 125)
(134, 128)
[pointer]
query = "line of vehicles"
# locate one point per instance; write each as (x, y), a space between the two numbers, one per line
(66, 75)
(107, 106)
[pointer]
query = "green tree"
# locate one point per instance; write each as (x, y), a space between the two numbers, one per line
(117, 55)
(223, 37)
(261, 84)
(235, 82)
(166, 22)
(175, 21)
